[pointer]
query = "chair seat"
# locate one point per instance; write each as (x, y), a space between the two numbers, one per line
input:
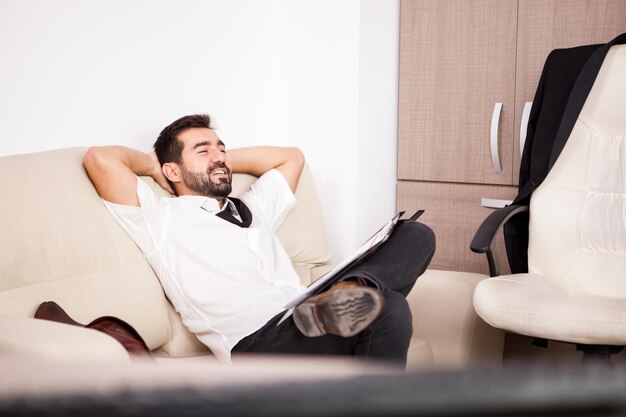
(531, 305)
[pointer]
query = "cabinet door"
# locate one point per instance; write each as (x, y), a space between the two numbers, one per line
(454, 212)
(544, 25)
(457, 60)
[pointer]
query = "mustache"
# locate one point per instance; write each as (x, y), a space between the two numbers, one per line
(217, 165)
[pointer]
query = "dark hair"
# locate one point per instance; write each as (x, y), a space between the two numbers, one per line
(168, 147)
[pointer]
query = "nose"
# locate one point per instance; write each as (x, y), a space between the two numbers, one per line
(218, 156)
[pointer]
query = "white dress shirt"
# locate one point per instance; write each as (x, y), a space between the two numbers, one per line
(225, 281)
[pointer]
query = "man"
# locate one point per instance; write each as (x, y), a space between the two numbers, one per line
(221, 264)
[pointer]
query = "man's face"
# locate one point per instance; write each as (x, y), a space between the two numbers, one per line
(205, 168)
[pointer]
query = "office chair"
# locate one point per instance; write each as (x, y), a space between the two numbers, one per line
(574, 289)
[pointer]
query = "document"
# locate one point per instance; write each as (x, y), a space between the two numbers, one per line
(357, 256)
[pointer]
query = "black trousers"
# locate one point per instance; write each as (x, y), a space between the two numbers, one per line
(394, 268)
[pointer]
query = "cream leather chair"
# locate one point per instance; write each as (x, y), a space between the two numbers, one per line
(575, 290)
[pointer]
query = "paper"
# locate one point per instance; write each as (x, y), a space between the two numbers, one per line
(358, 255)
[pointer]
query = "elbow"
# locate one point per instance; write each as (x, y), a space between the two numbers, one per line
(94, 158)
(297, 156)
(90, 159)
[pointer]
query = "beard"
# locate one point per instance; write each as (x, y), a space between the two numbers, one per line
(201, 182)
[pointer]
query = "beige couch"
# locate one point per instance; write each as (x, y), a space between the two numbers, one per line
(61, 244)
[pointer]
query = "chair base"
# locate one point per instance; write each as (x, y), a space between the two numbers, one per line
(591, 353)
(598, 353)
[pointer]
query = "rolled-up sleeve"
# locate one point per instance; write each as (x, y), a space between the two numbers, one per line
(143, 224)
(272, 197)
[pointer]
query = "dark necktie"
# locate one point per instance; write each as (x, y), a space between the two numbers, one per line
(244, 213)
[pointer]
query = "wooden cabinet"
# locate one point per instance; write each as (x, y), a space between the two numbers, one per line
(458, 60)
(447, 213)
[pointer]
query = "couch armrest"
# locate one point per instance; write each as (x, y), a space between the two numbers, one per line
(443, 315)
(42, 339)
(319, 271)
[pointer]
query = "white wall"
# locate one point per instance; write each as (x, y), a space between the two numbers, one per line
(376, 165)
(320, 75)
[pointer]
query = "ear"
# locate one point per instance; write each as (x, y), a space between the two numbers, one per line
(171, 171)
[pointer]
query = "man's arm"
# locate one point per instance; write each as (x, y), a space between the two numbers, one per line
(258, 160)
(113, 171)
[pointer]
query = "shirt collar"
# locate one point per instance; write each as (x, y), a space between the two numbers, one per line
(211, 205)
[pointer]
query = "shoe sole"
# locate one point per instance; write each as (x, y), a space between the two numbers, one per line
(345, 313)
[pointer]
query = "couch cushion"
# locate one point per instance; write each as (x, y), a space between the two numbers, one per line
(61, 244)
(183, 343)
(42, 339)
(443, 314)
(420, 355)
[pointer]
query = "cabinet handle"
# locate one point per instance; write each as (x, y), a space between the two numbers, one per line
(523, 126)
(495, 123)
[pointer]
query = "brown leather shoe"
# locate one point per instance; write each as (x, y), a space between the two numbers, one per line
(347, 308)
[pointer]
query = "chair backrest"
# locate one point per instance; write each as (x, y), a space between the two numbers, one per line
(578, 215)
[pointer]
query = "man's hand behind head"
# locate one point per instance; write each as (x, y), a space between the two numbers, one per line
(157, 174)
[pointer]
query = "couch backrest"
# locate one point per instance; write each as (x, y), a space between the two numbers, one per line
(61, 244)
